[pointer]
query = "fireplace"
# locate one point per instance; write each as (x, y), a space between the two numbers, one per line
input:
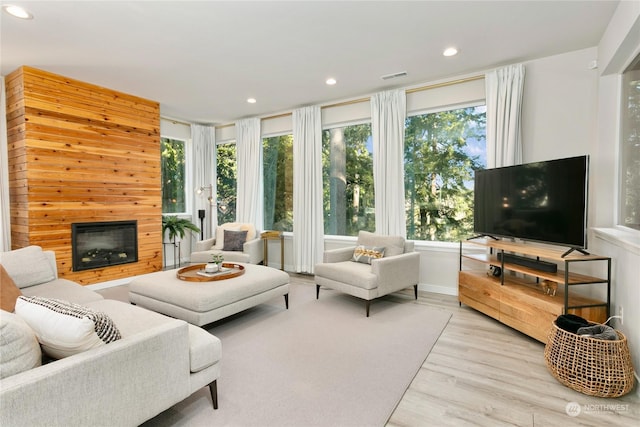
(103, 244)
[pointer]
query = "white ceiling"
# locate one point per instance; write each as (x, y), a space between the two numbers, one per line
(202, 60)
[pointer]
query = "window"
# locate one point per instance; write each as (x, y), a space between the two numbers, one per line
(226, 183)
(278, 182)
(442, 150)
(629, 205)
(173, 175)
(347, 175)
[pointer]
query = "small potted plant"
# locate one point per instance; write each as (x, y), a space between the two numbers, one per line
(216, 263)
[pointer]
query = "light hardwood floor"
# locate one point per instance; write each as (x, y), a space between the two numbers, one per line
(483, 373)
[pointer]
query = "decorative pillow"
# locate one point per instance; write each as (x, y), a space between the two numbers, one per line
(233, 240)
(9, 292)
(220, 235)
(365, 254)
(19, 348)
(64, 328)
(394, 245)
(27, 266)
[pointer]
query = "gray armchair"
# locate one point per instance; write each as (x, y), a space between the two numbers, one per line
(398, 269)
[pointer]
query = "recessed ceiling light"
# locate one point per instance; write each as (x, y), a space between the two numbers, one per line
(450, 51)
(17, 11)
(331, 81)
(251, 100)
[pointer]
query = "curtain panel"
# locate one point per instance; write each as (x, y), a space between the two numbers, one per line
(250, 200)
(204, 175)
(308, 224)
(504, 89)
(388, 114)
(5, 218)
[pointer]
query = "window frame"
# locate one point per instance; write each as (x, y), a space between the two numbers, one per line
(188, 175)
(262, 138)
(441, 244)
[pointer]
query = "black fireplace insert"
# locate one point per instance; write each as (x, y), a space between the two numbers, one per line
(103, 244)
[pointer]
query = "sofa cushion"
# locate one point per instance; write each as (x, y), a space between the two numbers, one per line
(64, 328)
(234, 240)
(19, 348)
(394, 245)
(204, 349)
(27, 266)
(365, 254)
(63, 289)
(9, 292)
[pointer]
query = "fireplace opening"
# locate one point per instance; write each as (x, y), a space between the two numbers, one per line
(102, 244)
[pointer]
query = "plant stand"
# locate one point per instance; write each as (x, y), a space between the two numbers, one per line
(175, 245)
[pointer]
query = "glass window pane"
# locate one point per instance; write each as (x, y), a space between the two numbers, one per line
(173, 175)
(278, 182)
(347, 174)
(629, 210)
(226, 183)
(441, 152)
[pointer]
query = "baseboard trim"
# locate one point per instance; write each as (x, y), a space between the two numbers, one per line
(438, 289)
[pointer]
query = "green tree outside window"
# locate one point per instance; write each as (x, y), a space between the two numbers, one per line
(441, 152)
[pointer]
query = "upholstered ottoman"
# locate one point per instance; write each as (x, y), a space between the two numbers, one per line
(200, 303)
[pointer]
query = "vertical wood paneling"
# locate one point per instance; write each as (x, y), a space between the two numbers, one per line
(82, 153)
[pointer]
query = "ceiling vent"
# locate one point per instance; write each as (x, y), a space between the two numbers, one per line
(394, 75)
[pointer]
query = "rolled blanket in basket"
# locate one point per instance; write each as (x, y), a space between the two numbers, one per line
(571, 322)
(601, 332)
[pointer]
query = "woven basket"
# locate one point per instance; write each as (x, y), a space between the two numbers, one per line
(591, 366)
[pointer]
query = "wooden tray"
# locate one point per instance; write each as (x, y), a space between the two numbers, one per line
(190, 273)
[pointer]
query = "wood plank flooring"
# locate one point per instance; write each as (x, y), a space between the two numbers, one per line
(483, 373)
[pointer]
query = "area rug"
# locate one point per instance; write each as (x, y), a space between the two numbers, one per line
(320, 363)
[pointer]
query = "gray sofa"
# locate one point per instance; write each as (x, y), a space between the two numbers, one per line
(158, 362)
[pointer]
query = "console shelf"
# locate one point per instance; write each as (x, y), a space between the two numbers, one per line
(519, 301)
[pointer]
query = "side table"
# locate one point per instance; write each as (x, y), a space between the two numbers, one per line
(273, 235)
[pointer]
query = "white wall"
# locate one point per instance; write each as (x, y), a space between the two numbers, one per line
(618, 47)
(560, 106)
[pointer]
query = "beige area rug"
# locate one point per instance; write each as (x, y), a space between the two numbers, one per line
(320, 363)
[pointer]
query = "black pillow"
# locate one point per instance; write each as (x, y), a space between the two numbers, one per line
(234, 240)
(571, 322)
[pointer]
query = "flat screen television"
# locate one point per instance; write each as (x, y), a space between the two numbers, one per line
(543, 202)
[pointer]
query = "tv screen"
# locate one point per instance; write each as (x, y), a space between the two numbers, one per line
(543, 201)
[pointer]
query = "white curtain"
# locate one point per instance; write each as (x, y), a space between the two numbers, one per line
(204, 175)
(308, 224)
(249, 202)
(504, 88)
(5, 218)
(388, 114)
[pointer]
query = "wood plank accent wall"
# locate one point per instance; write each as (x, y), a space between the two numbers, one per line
(82, 153)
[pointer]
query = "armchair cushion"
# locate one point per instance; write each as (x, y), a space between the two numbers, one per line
(233, 226)
(394, 245)
(365, 254)
(234, 240)
(354, 273)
